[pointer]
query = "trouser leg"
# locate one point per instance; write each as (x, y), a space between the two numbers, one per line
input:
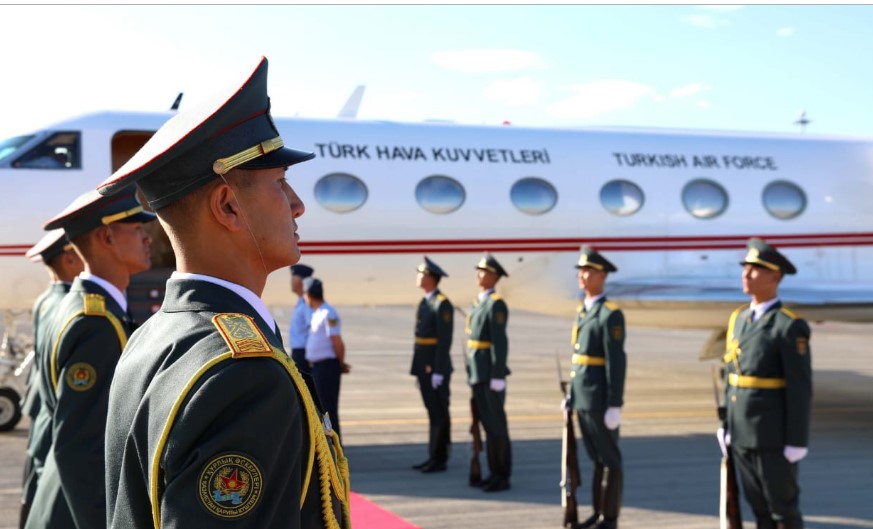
(326, 375)
(596, 498)
(612, 491)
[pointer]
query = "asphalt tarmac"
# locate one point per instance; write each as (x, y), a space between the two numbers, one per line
(667, 433)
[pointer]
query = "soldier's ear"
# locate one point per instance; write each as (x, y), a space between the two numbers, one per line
(226, 208)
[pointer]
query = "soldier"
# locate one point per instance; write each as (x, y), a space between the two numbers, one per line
(432, 365)
(63, 264)
(78, 355)
(597, 386)
(300, 318)
(210, 421)
(768, 391)
(487, 351)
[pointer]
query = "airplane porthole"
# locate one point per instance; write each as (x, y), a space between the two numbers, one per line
(704, 198)
(533, 196)
(340, 192)
(621, 197)
(784, 200)
(440, 194)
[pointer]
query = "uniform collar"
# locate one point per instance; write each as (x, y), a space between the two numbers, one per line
(429, 295)
(249, 296)
(589, 302)
(110, 289)
(756, 311)
(484, 295)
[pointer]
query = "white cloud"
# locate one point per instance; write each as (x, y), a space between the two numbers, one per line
(516, 92)
(487, 61)
(600, 97)
(704, 21)
(785, 32)
(689, 90)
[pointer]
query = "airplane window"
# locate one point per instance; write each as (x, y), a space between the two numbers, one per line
(9, 146)
(440, 194)
(59, 151)
(533, 195)
(621, 197)
(340, 192)
(704, 199)
(783, 199)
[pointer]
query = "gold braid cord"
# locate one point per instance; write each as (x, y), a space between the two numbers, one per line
(331, 472)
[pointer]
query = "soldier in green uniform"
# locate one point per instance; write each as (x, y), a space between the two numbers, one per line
(431, 363)
(487, 351)
(597, 386)
(768, 391)
(63, 265)
(210, 422)
(79, 353)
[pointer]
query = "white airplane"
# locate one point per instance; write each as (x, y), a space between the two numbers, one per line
(672, 209)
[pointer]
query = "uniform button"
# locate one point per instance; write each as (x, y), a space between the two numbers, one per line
(733, 398)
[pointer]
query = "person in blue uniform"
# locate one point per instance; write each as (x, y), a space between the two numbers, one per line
(487, 356)
(768, 387)
(79, 353)
(325, 349)
(432, 365)
(300, 318)
(63, 264)
(597, 386)
(211, 424)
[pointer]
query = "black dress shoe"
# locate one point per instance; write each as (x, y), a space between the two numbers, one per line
(422, 465)
(589, 523)
(497, 485)
(434, 467)
(477, 483)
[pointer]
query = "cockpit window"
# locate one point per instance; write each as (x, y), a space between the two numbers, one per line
(783, 199)
(9, 146)
(440, 194)
(340, 192)
(60, 150)
(533, 195)
(704, 198)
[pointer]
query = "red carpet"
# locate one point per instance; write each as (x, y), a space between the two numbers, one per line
(368, 515)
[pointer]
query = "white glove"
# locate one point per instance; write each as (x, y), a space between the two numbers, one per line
(724, 440)
(612, 418)
(497, 384)
(565, 404)
(436, 380)
(795, 453)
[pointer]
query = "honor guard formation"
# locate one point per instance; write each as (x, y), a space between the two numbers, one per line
(203, 415)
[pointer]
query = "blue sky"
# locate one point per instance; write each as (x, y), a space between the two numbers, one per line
(679, 66)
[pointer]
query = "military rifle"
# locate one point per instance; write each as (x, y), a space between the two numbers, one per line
(729, 514)
(569, 460)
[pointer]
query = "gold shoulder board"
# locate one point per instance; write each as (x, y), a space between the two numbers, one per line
(790, 313)
(441, 297)
(610, 305)
(242, 335)
(95, 305)
(495, 296)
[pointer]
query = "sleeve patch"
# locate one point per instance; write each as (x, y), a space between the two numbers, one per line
(230, 486)
(802, 346)
(447, 316)
(242, 335)
(81, 376)
(332, 322)
(617, 332)
(500, 318)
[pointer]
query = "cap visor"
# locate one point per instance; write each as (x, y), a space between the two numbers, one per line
(284, 157)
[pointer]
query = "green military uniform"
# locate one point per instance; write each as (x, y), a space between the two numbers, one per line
(89, 333)
(39, 438)
(487, 352)
(768, 398)
(77, 361)
(195, 404)
(210, 422)
(597, 384)
(434, 323)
